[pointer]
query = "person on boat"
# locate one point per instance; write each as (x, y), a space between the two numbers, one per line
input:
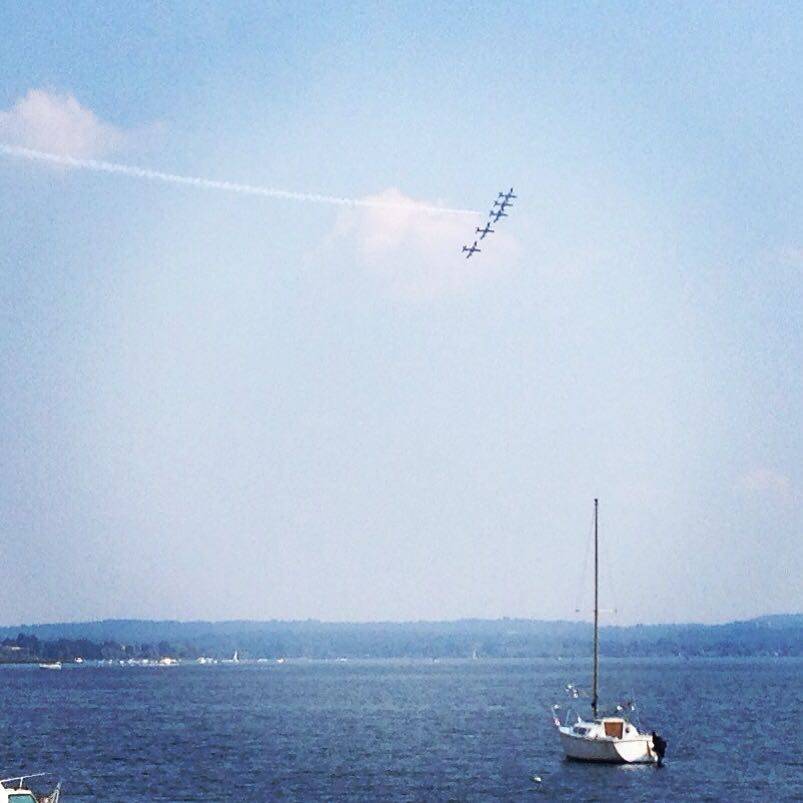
(659, 746)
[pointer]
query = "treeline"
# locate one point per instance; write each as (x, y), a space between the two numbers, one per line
(504, 638)
(29, 649)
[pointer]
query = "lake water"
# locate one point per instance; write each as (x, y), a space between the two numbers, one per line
(397, 730)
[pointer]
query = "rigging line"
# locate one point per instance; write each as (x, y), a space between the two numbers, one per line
(581, 591)
(611, 586)
(212, 184)
(635, 709)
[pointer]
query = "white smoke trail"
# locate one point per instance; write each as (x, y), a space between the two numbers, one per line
(211, 184)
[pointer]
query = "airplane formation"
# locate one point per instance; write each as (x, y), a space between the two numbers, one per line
(502, 202)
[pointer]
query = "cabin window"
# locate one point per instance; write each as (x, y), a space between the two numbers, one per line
(22, 797)
(579, 730)
(614, 729)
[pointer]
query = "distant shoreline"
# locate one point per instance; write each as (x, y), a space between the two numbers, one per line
(405, 661)
(142, 640)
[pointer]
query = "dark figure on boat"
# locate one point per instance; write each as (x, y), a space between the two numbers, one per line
(659, 746)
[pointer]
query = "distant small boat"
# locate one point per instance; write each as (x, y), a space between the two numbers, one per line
(53, 665)
(610, 739)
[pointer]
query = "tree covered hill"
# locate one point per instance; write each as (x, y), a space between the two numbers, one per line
(767, 635)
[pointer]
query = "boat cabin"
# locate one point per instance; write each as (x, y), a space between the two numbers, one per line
(16, 796)
(17, 791)
(614, 727)
(610, 727)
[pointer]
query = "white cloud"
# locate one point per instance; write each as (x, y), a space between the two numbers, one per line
(766, 482)
(417, 253)
(58, 123)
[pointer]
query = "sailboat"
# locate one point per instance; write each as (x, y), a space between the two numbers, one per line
(611, 739)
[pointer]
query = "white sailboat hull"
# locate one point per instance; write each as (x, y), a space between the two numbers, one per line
(606, 749)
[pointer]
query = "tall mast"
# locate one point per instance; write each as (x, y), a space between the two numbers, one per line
(596, 610)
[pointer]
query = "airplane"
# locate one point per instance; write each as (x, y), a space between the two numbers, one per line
(507, 195)
(472, 250)
(503, 204)
(484, 231)
(497, 214)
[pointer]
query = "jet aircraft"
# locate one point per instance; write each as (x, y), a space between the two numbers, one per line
(503, 204)
(486, 230)
(496, 214)
(471, 251)
(508, 196)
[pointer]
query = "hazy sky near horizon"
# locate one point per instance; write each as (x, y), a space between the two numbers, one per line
(223, 406)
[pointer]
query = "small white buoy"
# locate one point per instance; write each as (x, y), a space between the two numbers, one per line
(537, 778)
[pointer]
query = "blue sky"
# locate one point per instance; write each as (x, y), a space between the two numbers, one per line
(215, 405)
